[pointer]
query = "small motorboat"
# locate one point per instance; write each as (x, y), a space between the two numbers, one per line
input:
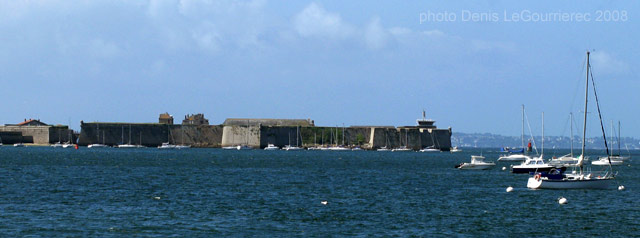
(166, 145)
(383, 149)
(18, 145)
(455, 149)
(430, 149)
(271, 147)
(477, 162)
(535, 164)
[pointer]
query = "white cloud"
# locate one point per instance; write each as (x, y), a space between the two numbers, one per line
(607, 63)
(375, 35)
(315, 21)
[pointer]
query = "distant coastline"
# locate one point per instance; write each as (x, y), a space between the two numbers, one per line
(488, 140)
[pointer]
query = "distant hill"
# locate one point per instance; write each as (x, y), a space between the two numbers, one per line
(491, 140)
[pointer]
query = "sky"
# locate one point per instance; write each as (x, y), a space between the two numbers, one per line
(469, 64)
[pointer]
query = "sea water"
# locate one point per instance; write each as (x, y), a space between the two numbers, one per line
(212, 192)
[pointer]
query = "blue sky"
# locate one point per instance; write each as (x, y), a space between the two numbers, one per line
(357, 63)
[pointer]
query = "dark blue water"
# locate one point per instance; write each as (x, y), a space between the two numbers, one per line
(210, 192)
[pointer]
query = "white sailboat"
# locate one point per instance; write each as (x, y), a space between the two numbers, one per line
(167, 145)
(403, 148)
(59, 143)
(386, 142)
(69, 143)
(128, 145)
(616, 159)
(567, 160)
(293, 147)
(98, 145)
(579, 179)
(517, 156)
(340, 147)
(182, 145)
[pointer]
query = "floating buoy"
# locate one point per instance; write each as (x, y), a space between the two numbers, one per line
(504, 168)
(324, 202)
(562, 200)
(620, 187)
(509, 189)
(156, 198)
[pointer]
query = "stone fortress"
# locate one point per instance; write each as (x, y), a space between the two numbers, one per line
(257, 133)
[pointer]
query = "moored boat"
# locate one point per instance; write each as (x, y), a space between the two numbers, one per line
(578, 179)
(477, 162)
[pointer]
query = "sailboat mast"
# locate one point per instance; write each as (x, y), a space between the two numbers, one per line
(522, 134)
(611, 154)
(586, 99)
(342, 133)
(571, 129)
(542, 153)
(130, 134)
(619, 152)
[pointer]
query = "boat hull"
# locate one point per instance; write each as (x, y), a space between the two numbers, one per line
(542, 183)
(606, 162)
(513, 158)
(476, 167)
(526, 170)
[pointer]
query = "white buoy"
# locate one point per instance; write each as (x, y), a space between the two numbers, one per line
(156, 198)
(562, 200)
(621, 187)
(324, 202)
(509, 189)
(504, 168)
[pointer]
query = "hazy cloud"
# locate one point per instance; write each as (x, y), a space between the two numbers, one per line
(607, 63)
(375, 35)
(314, 21)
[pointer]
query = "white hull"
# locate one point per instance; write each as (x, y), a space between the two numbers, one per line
(57, 145)
(513, 157)
(127, 146)
(605, 162)
(230, 148)
(183, 146)
(167, 146)
(339, 148)
(477, 166)
(592, 183)
(401, 150)
(287, 148)
(68, 146)
(97, 146)
(385, 149)
(429, 150)
(18, 145)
